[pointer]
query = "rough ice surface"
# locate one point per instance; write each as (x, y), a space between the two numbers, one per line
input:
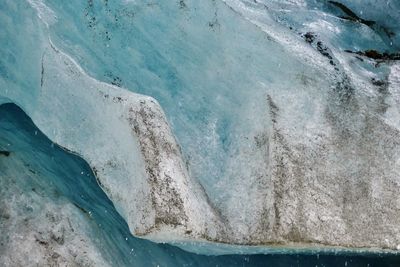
(53, 213)
(48, 216)
(281, 123)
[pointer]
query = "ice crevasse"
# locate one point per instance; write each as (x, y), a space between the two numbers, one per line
(268, 123)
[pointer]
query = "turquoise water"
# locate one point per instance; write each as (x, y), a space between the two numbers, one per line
(36, 164)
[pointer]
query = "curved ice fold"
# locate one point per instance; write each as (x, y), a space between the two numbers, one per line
(126, 140)
(294, 139)
(129, 146)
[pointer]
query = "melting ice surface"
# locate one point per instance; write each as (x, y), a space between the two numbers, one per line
(53, 213)
(286, 113)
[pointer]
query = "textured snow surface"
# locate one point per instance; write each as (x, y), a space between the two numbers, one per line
(281, 123)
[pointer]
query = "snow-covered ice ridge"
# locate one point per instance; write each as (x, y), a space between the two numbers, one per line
(281, 123)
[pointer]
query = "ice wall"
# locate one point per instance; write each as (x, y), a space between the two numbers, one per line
(288, 124)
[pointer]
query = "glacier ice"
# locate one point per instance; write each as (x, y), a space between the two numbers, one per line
(279, 128)
(53, 213)
(48, 216)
